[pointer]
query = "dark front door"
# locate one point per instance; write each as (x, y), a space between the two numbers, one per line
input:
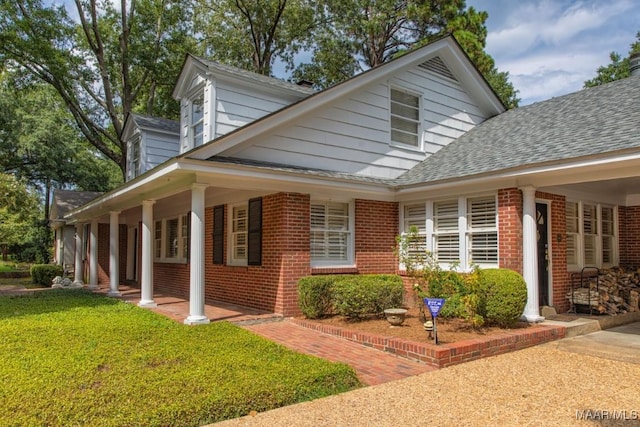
(543, 253)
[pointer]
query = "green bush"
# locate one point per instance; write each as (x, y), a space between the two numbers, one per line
(503, 295)
(43, 274)
(315, 297)
(361, 295)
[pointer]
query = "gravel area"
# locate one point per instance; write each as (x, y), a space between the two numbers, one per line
(538, 386)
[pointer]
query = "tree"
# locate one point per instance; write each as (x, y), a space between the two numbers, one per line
(40, 144)
(111, 61)
(253, 34)
(617, 69)
(18, 211)
(362, 34)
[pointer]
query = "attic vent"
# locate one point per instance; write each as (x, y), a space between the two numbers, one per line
(437, 66)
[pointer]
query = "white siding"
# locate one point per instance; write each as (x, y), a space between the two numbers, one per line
(236, 106)
(353, 135)
(159, 147)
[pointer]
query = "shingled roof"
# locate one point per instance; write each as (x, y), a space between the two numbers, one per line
(65, 200)
(156, 123)
(589, 122)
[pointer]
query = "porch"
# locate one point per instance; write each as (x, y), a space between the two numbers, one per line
(177, 308)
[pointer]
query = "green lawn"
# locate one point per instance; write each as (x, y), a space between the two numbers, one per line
(71, 357)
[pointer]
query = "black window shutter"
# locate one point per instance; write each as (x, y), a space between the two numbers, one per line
(254, 235)
(218, 234)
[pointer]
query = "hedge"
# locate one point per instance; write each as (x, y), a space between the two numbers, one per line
(504, 295)
(352, 296)
(43, 274)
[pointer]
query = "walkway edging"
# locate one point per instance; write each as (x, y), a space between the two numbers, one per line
(441, 356)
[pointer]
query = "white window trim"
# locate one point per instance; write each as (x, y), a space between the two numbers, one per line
(350, 261)
(231, 259)
(598, 237)
(188, 141)
(179, 259)
(420, 146)
(465, 264)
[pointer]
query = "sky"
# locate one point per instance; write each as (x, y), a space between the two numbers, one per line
(550, 47)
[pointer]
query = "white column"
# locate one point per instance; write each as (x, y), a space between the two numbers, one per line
(530, 254)
(114, 254)
(77, 274)
(146, 266)
(196, 278)
(93, 255)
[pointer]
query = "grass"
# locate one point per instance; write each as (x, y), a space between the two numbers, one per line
(71, 357)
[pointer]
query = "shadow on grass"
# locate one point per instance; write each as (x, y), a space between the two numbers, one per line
(50, 301)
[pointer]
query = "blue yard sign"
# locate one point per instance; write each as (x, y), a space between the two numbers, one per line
(434, 305)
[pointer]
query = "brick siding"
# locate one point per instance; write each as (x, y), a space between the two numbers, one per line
(629, 239)
(510, 229)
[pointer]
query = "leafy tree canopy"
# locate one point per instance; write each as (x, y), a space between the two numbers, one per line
(617, 69)
(104, 64)
(19, 209)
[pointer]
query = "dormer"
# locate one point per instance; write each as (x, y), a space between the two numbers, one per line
(149, 141)
(216, 99)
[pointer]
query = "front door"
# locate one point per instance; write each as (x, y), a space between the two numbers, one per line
(543, 253)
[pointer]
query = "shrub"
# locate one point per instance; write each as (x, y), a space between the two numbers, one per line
(43, 274)
(359, 296)
(315, 297)
(503, 295)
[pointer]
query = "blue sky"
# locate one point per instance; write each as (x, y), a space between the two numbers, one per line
(550, 47)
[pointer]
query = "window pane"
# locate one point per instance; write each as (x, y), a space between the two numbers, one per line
(445, 216)
(447, 248)
(481, 213)
(607, 250)
(572, 249)
(172, 238)
(239, 233)
(590, 250)
(484, 248)
(405, 118)
(329, 231)
(158, 239)
(590, 219)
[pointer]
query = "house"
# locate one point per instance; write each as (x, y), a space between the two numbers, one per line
(64, 246)
(274, 182)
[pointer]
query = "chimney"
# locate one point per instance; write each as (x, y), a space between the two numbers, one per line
(634, 64)
(305, 83)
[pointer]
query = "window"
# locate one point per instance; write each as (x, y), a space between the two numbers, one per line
(197, 120)
(133, 158)
(446, 247)
(171, 238)
(590, 235)
(239, 235)
(415, 216)
(482, 233)
(405, 118)
(157, 234)
(573, 230)
(462, 230)
(245, 236)
(330, 234)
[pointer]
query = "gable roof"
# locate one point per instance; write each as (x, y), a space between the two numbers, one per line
(66, 200)
(447, 48)
(193, 64)
(590, 122)
(155, 123)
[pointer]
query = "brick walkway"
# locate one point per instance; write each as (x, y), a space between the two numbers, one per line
(372, 366)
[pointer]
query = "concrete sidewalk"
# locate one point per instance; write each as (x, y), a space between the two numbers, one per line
(620, 343)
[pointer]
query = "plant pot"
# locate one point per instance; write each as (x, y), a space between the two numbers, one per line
(395, 316)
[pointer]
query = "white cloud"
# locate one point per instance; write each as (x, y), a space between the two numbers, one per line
(550, 47)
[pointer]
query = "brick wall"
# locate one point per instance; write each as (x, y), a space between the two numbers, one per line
(285, 258)
(376, 228)
(510, 229)
(629, 243)
(171, 279)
